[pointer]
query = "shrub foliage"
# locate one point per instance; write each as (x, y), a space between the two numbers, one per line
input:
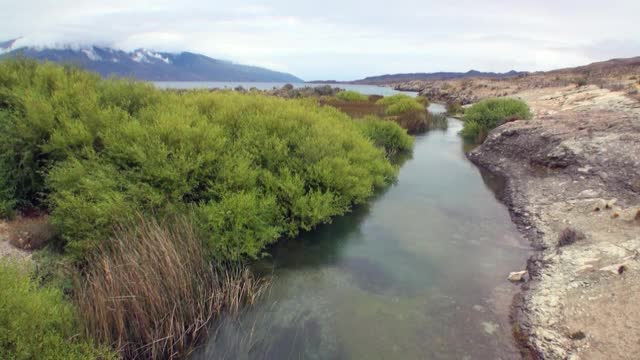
(400, 104)
(252, 168)
(387, 135)
(488, 114)
(350, 95)
(36, 322)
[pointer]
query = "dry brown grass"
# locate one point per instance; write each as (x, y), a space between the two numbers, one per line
(355, 109)
(414, 122)
(150, 293)
(30, 233)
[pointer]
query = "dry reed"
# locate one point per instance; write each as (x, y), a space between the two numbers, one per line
(150, 292)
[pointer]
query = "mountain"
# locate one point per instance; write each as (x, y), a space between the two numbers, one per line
(148, 65)
(395, 78)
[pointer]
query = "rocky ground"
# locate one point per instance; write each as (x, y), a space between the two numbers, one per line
(618, 75)
(573, 175)
(6, 249)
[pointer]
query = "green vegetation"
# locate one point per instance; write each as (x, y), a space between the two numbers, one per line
(423, 100)
(150, 292)
(439, 122)
(105, 159)
(400, 104)
(350, 95)
(386, 135)
(249, 168)
(486, 115)
(36, 322)
(454, 108)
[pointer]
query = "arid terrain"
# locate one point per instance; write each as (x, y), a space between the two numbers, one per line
(620, 75)
(575, 169)
(8, 250)
(573, 188)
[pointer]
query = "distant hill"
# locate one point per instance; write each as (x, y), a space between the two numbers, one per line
(396, 78)
(149, 65)
(613, 66)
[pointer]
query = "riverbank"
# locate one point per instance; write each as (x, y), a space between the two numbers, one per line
(573, 185)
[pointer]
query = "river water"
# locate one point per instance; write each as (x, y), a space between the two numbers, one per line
(364, 89)
(418, 273)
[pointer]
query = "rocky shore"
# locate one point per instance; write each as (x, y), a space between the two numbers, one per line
(573, 189)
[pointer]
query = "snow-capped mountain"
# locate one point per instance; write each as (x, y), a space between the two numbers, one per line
(6, 46)
(146, 64)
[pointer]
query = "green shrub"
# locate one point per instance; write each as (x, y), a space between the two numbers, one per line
(36, 322)
(486, 115)
(387, 135)
(423, 100)
(439, 121)
(400, 104)
(251, 168)
(350, 95)
(454, 108)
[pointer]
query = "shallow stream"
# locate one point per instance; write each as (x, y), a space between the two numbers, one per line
(418, 273)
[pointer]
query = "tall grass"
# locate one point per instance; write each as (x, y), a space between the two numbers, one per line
(150, 292)
(355, 109)
(439, 122)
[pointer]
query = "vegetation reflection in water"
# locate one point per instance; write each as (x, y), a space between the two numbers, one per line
(418, 273)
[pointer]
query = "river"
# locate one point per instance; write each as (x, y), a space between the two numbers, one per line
(418, 273)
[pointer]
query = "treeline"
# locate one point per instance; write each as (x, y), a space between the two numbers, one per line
(103, 157)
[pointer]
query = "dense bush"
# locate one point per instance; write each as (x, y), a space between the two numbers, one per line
(36, 322)
(423, 100)
(387, 135)
(400, 104)
(454, 108)
(252, 168)
(486, 115)
(350, 95)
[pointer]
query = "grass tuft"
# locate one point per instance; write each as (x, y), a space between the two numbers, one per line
(150, 292)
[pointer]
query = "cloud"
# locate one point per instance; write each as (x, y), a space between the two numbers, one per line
(343, 39)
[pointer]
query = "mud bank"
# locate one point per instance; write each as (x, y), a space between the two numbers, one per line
(573, 189)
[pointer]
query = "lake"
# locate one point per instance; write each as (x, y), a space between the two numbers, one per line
(364, 89)
(418, 273)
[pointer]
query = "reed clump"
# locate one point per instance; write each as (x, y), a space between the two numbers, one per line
(151, 293)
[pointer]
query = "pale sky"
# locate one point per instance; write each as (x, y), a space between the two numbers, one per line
(342, 39)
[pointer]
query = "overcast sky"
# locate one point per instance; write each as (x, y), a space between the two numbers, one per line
(344, 39)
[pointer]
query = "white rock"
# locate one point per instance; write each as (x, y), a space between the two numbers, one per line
(517, 276)
(589, 193)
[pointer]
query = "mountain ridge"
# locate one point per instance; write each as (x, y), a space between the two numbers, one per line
(148, 65)
(440, 75)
